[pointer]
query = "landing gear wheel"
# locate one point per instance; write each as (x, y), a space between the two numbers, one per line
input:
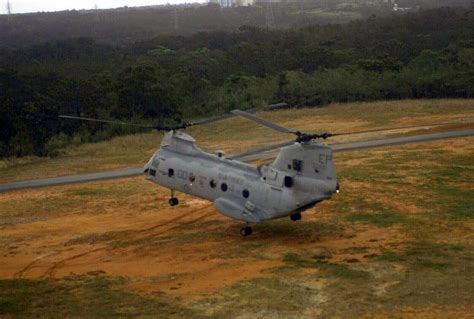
(173, 201)
(246, 231)
(295, 217)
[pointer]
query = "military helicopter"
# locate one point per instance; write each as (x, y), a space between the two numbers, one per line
(302, 175)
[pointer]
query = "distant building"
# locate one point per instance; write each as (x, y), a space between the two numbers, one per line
(226, 3)
(232, 3)
(244, 2)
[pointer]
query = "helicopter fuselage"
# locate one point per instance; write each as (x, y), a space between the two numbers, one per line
(242, 191)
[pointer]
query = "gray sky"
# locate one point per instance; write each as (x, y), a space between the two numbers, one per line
(21, 6)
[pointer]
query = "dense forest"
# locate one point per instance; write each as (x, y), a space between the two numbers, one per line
(170, 78)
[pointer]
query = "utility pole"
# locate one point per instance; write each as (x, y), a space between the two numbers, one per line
(176, 21)
(269, 17)
(9, 7)
(96, 13)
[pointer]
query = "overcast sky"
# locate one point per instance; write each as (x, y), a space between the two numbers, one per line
(21, 6)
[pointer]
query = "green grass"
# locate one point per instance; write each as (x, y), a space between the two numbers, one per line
(426, 254)
(87, 192)
(457, 202)
(264, 298)
(336, 270)
(91, 297)
(382, 219)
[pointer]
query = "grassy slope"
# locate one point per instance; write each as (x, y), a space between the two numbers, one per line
(397, 240)
(133, 151)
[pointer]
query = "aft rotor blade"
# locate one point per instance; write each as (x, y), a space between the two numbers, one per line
(251, 154)
(263, 122)
(104, 121)
(227, 116)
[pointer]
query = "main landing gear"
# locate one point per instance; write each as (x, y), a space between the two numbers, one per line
(246, 231)
(173, 200)
(295, 217)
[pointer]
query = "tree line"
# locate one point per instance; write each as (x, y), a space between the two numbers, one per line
(170, 78)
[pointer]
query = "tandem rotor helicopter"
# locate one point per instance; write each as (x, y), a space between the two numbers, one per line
(302, 175)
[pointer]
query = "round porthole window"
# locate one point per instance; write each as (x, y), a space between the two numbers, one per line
(212, 183)
(245, 193)
(224, 187)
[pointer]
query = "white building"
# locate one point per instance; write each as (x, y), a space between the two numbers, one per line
(226, 3)
(232, 3)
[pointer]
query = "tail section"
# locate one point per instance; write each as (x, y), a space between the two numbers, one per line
(311, 164)
(310, 160)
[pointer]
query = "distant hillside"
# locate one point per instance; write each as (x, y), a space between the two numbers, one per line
(125, 25)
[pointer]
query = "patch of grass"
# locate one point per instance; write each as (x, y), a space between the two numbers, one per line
(91, 297)
(341, 271)
(263, 298)
(86, 192)
(382, 219)
(345, 272)
(425, 254)
(355, 250)
(431, 264)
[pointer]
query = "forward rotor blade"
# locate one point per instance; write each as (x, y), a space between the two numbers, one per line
(227, 116)
(263, 122)
(104, 121)
(248, 156)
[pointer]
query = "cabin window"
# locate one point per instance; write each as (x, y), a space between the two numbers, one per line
(212, 183)
(192, 178)
(152, 172)
(297, 165)
(224, 187)
(171, 172)
(245, 193)
(288, 181)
